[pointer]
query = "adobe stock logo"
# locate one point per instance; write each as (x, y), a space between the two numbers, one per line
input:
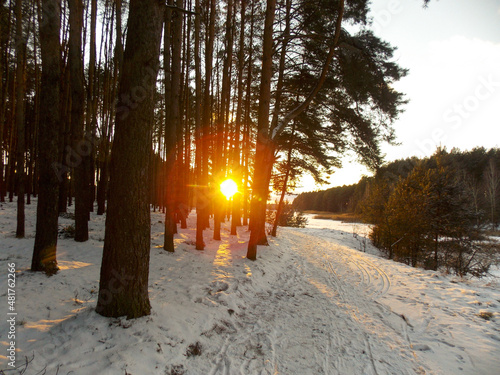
(382, 18)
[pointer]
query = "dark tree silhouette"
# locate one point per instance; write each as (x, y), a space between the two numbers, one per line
(123, 288)
(44, 252)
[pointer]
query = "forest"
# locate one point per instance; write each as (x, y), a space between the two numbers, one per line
(141, 142)
(428, 212)
(123, 107)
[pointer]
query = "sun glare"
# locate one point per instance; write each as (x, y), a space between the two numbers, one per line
(228, 188)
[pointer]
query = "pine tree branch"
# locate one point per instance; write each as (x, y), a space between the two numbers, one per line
(301, 107)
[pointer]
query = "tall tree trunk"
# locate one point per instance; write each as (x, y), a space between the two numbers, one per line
(260, 186)
(91, 112)
(206, 118)
(80, 148)
(236, 165)
(281, 68)
(11, 168)
(21, 146)
(110, 86)
(200, 244)
(123, 288)
(170, 136)
(3, 100)
(247, 129)
(37, 113)
(284, 187)
(185, 173)
(44, 252)
(175, 103)
(222, 123)
(64, 138)
(277, 108)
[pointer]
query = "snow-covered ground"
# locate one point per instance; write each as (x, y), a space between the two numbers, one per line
(317, 301)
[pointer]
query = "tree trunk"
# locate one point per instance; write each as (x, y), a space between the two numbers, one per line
(492, 186)
(110, 85)
(283, 189)
(206, 119)
(80, 147)
(64, 138)
(44, 252)
(247, 129)
(222, 123)
(170, 137)
(175, 106)
(102, 185)
(91, 113)
(20, 88)
(200, 244)
(260, 185)
(281, 69)
(277, 109)
(3, 100)
(236, 165)
(185, 173)
(123, 288)
(11, 166)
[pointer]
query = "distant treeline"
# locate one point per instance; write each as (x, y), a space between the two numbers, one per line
(429, 212)
(337, 199)
(478, 169)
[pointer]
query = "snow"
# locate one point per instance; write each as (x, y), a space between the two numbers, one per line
(319, 300)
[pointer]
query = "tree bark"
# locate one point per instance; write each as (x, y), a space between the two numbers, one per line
(247, 128)
(123, 288)
(200, 244)
(64, 137)
(21, 146)
(206, 118)
(222, 123)
(44, 252)
(277, 108)
(175, 108)
(91, 113)
(170, 136)
(3, 100)
(236, 165)
(80, 148)
(110, 91)
(284, 188)
(260, 189)
(492, 186)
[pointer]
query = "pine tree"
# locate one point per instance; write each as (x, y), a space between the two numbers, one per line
(44, 252)
(123, 288)
(20, 118)
(75, 61)
(428, 220)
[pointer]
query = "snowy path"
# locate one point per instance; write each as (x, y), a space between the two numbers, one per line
(327, 322)
(310, 310)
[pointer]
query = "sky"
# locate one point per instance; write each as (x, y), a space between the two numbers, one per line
(452, 51)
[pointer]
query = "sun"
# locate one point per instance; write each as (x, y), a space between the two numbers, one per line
(228, 188)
